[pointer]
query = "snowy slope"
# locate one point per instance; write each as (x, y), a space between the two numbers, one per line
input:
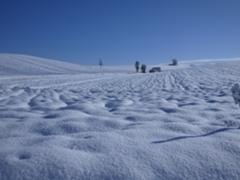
(16, 64)
(181, 123)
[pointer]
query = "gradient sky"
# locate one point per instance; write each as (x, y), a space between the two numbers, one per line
(121, 31)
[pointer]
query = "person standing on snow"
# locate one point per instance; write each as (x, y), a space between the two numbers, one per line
(137, 65)
(143, 68)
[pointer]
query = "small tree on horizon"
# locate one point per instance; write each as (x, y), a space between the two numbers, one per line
(100, 63)
(174, 62)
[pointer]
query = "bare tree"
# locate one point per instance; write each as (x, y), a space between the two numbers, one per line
(100, 63)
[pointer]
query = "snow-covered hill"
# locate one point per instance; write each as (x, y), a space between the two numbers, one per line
(23, 64)
(181, 123)
(16, 64)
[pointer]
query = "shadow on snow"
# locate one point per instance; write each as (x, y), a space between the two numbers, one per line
(196, 136)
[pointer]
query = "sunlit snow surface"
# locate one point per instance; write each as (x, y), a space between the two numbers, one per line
(63, 121)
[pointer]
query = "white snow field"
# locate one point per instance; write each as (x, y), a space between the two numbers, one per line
(60, 122)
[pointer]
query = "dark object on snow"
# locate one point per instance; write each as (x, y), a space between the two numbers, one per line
(236, 93)
(174, 62)
(143, 68)
(137, 65)
(100, 63)
(155, 69)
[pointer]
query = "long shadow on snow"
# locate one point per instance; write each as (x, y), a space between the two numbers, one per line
(196, 136)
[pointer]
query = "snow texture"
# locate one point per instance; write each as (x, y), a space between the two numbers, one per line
(60, 122)
(14, 64)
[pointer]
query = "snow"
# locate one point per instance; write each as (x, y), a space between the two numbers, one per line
(15, 64)
(61, 121)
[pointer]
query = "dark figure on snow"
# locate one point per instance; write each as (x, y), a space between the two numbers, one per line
(143, 68)
(137, 65)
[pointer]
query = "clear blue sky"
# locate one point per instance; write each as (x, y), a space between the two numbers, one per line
(121, 31)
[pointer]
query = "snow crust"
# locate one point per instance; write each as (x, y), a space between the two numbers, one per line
(181, 123)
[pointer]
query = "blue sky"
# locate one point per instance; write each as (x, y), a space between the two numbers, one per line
(121, 31)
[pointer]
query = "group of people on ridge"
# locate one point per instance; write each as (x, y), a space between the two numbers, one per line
(143, 67)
